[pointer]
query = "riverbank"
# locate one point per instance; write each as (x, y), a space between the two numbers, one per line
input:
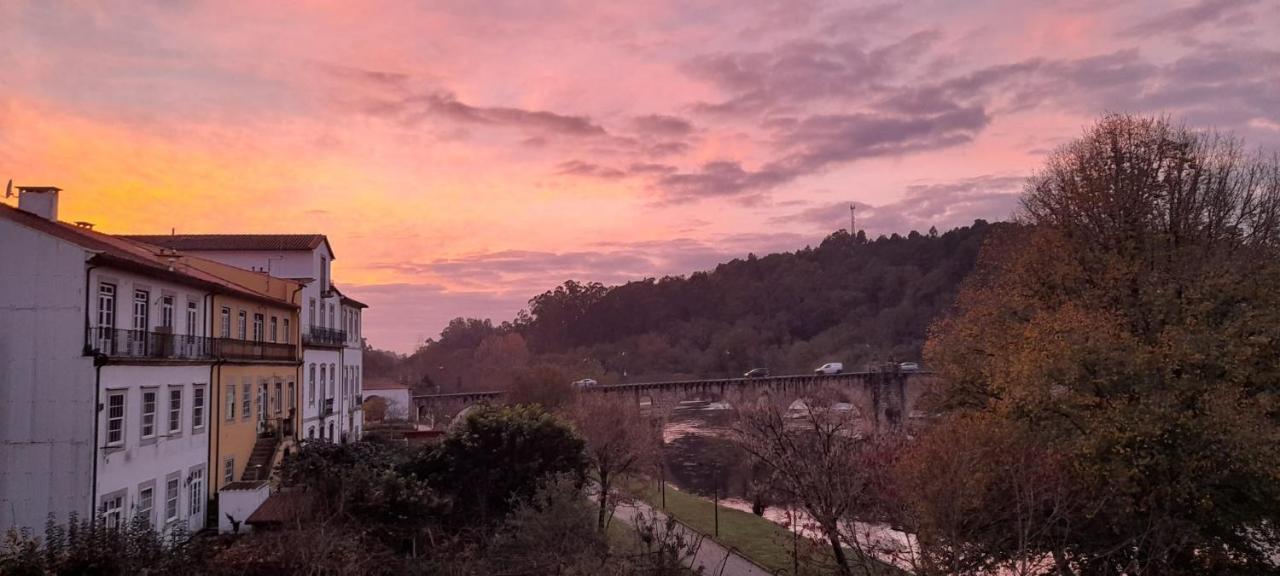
(769, 544)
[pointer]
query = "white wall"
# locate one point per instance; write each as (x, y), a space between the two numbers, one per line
(46, 381)
(138, 461)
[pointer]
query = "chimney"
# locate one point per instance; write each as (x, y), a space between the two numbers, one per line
(39, 200)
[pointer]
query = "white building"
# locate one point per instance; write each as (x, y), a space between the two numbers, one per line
(332, 355)
(105, 366)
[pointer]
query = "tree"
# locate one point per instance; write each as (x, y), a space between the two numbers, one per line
(619, 441)
(815, 460)
(545, 385)
(1133, 325)
(498, 457)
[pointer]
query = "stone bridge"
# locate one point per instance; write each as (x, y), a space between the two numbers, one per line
(883, 401)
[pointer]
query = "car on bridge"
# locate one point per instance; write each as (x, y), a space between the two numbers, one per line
(830, 368)
(909, 366)
(585, 383)
(756, 373)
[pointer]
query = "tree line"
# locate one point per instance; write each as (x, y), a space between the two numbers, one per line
(850, 299)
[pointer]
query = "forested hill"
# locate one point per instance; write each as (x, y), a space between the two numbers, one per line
(850, 299)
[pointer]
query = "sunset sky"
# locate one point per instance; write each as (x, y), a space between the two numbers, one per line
(463, 156)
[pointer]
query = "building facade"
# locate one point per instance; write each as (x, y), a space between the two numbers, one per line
(331, 370)
(115, 367)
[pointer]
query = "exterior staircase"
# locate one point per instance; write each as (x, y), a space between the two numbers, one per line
(259, 465)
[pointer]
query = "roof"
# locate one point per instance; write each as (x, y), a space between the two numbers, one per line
(117, 252)
(236, 242)
(38, 188)
(347, 299)
(382, 384)
(245, 485)
(280, 507)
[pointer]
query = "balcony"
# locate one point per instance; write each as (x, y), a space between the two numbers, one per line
(327, 408)
(140, 344)
(232, 349)
(327, 337)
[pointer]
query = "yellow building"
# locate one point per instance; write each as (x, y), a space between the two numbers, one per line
(255, 397)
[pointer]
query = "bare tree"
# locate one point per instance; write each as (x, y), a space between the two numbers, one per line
(620, 440)
(815, 459)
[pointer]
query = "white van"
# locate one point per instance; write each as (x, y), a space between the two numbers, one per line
(830, 368)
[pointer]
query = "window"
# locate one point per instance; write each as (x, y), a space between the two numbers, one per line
(193, 319)
(257, 327)
(175, 410)
(115, 418)
(331, 322)
(106, 306)
(241, 326)
(323, 370)
(288, 336)
(311, 432)
(195, 492)
(231, 401)
(226, 322)
(279, 397)
(149, 412)
(246, 400)
(311, 386)
(333, 378)
(113, 509)
(146, 502)
(324, 274)
(293, 400)
(166, 312)
(197, 408)
(274, 332)
(141, 320)
(171, 497)
(229, 470)
(311, 311)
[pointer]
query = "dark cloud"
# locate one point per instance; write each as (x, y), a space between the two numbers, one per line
(1199, 15)
(646, 168)
(444, 105)
(661, 125)
(800, 72)
(590, 170)
(815, 143)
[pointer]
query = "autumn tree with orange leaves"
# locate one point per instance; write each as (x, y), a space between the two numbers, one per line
(1128, 334)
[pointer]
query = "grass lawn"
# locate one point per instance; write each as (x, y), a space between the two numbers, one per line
(764, 542)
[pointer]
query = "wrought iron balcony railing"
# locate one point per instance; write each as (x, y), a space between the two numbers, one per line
(141, 344)
(232, 349)
(327, 408)
(117, 343)
(318, 336)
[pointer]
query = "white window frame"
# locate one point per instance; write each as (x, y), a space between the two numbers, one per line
(231, 402)
(195, 491)
(311, 386)
(246, 400)
(148, 419)
(226, 322)
(120, 420)
(141, 310)
(242, 325)
(198, 400)
(193, 318)
(174, 412)
(146, 504)
(172, 497)
(258, 327)
(288, 336)
(111, 506)
(166, 311)
(228, 470)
